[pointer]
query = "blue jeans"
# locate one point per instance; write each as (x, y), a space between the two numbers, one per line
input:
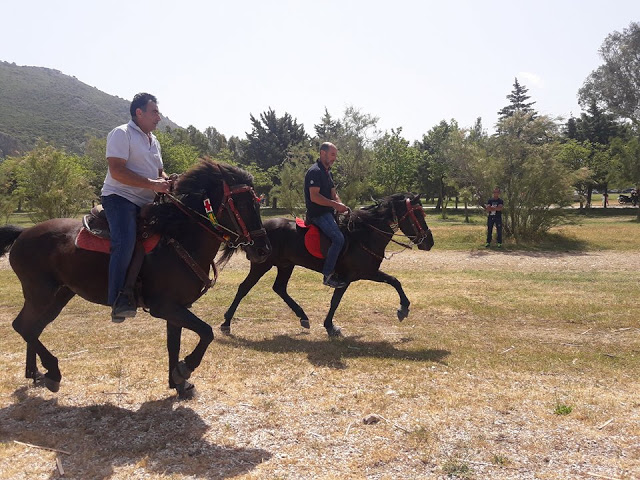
(121, 215)
(491, 221)
(329, 227)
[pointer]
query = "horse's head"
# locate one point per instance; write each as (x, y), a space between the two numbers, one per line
(230, 203)
(410, 218)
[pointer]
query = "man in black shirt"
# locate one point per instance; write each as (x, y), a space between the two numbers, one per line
(494, 208)
(321, 199)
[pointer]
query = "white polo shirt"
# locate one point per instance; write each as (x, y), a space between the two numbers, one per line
(143, 157)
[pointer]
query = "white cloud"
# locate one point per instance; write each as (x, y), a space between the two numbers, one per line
(529, 79)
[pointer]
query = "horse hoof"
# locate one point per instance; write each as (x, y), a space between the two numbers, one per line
(304, 323)
(225, 329)
(186, 390)
(51, 385)
(335, 332)
(403, 312)
(37, 377)
(181, 373)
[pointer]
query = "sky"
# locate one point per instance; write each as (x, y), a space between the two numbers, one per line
(409, 63)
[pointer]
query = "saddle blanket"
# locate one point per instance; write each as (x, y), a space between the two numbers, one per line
(311, 238)
(87, 241)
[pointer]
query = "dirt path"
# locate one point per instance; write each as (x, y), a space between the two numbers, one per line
(526, 261)
(492, 260)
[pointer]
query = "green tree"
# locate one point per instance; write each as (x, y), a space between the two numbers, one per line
(517, 102)
(95, 162)
(467, 152)
(53, 183)
(523, 161)
(597, 128)
(290, 192)
(396, 163)
(9, 200)
(354, 135)
(177, 157)
(627, 158)
(271, 137)
(437, 162)
(217, 142)
(329, 130)
(615, 85)
(238, 148)
(575, 156)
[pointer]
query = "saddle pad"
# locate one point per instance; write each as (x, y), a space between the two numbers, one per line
(311, 238)
(87, 241)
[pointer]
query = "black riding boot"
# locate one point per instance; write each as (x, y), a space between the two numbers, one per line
(125, 305)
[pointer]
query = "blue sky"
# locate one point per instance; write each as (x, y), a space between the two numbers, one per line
(410, 63)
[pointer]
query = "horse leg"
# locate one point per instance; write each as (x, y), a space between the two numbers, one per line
(381, 277)
(280, 287)
(180, 317)
(31, 369)
(255, 273)
(333, 330)
(174, 335)
(30, 322)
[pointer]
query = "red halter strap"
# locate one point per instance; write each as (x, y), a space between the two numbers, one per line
(417, 228)
(228, 203)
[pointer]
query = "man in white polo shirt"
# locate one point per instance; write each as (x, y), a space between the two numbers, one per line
(135, 175)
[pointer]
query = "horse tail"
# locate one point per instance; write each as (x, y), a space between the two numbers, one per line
(8, 235)
(227, 253)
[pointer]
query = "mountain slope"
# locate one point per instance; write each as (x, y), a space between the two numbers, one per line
(37, 102)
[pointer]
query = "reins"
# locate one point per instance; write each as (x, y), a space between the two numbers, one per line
(211, 224)
(420, 236)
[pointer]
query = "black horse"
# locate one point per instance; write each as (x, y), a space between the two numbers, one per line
(367, 231)
(52, 269)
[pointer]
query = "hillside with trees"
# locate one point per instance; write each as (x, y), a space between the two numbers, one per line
(41, 103)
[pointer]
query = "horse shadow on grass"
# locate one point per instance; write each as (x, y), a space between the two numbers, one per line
(100, 438)
(334, 352)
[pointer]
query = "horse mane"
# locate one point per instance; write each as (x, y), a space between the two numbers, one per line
(378, 214)
(206, 173)
(202, 180)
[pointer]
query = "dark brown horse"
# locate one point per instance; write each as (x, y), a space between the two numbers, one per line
(367, 231)
(52, 269)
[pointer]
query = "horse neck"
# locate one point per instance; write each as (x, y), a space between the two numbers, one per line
(377, 233)
(201, 244)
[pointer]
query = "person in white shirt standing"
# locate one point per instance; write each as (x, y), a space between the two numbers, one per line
(134, 176)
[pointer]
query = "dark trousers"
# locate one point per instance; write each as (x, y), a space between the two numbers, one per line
(491, 221)
(327, 223)
(121, 215)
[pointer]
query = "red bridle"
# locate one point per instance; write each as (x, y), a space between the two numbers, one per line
(420, 232)
(239, 224)
(242, 235)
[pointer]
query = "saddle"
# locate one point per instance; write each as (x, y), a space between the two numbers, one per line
(95, 236)
(316, 242)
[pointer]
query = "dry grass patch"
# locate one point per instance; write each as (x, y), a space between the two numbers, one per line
(467, 387)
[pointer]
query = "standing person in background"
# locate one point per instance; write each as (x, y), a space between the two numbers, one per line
(134, 177)
(494, 209)
(321, 199)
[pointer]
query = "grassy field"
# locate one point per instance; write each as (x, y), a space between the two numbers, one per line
(522, 363)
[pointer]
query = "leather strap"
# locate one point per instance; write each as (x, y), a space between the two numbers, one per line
(201, 274)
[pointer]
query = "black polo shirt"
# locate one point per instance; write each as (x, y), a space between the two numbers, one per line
(317, 176)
